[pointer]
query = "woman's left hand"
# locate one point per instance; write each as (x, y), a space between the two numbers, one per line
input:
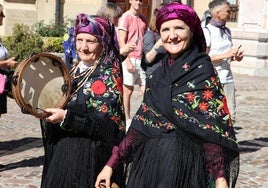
(56, 115)
(221, 183)
(104, 177)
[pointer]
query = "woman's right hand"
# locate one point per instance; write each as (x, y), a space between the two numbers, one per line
(104, 177)
(55, 115)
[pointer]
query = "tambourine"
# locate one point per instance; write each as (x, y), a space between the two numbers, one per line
(41, 81)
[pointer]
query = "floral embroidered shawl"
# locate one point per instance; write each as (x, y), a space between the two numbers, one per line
(186, 95)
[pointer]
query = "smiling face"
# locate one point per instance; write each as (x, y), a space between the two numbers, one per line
(88, 47)
(176, 37)
(135, 4)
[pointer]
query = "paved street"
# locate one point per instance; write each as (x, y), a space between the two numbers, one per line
(22, 153)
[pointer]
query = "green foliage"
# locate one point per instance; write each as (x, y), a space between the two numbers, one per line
(50, 30)
(53, 44)
(23, 41)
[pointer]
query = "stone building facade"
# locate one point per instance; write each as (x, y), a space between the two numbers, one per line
(250, 29)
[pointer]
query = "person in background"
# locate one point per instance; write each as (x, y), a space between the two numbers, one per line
(206, 18)
(110, 11)
(221, 50)
(71, 59)
(80, 137)
(113, 12)
(131, 29)
(5, 64)
(181, 136)
(153, 49)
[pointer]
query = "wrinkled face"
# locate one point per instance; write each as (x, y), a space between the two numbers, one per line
(88, 47)
(224, 12)
(176, 37)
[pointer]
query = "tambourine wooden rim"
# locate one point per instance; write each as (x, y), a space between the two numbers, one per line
(18, 77)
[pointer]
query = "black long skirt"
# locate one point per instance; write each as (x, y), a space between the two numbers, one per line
(175, 161)
(75, 162)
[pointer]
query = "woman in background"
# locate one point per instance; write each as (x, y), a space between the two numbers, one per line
(153, 49)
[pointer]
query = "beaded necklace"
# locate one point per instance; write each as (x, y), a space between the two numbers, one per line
(85, 75)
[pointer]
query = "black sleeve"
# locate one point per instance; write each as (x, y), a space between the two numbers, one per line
(93, 125)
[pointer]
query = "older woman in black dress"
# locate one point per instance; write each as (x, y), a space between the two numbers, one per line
(79, 139)
(181, 136)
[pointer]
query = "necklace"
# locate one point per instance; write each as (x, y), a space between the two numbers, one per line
(84, 75)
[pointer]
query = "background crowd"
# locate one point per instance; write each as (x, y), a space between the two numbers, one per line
(184, 121)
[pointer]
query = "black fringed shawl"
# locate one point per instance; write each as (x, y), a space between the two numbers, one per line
(187, 95)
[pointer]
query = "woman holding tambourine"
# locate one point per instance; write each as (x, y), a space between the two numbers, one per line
(80, 137)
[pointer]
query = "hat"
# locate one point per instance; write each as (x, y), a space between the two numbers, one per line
(97, 26)
(188, 15)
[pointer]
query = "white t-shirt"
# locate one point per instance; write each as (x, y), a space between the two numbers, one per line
(219, 44)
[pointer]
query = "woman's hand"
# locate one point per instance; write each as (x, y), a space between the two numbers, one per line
(56, 115)
(221, 183)
(104, 177)
(159, 43)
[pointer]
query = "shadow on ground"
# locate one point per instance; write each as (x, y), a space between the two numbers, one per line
(14, 146)
(25, 163)
(248, 146)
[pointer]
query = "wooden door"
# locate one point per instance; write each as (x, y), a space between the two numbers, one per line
(145, 10)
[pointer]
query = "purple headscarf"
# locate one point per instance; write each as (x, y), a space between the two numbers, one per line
(97, 26)
(188, 15)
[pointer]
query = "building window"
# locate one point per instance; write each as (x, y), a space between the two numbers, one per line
(233, 2)
(234, 10)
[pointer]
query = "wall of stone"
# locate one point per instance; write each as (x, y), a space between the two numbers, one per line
(252, 33)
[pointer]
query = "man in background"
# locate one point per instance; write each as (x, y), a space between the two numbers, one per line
(131, 29)
(221, 50)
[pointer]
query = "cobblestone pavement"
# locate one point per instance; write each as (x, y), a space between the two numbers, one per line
(22, 153)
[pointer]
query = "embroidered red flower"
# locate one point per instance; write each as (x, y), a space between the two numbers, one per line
(213, 81)
(190, 97)
(104, 108)
(98, 87)
(185, 66)
(203, 106)
(116, 119)
(115, 70)
(207, 94)
(208, 126)
(119, 84)
(141, 118)
(179, 113)
(144, 108)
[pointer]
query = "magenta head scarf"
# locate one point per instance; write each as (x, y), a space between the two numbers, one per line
(188, 15)
(97, 26)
